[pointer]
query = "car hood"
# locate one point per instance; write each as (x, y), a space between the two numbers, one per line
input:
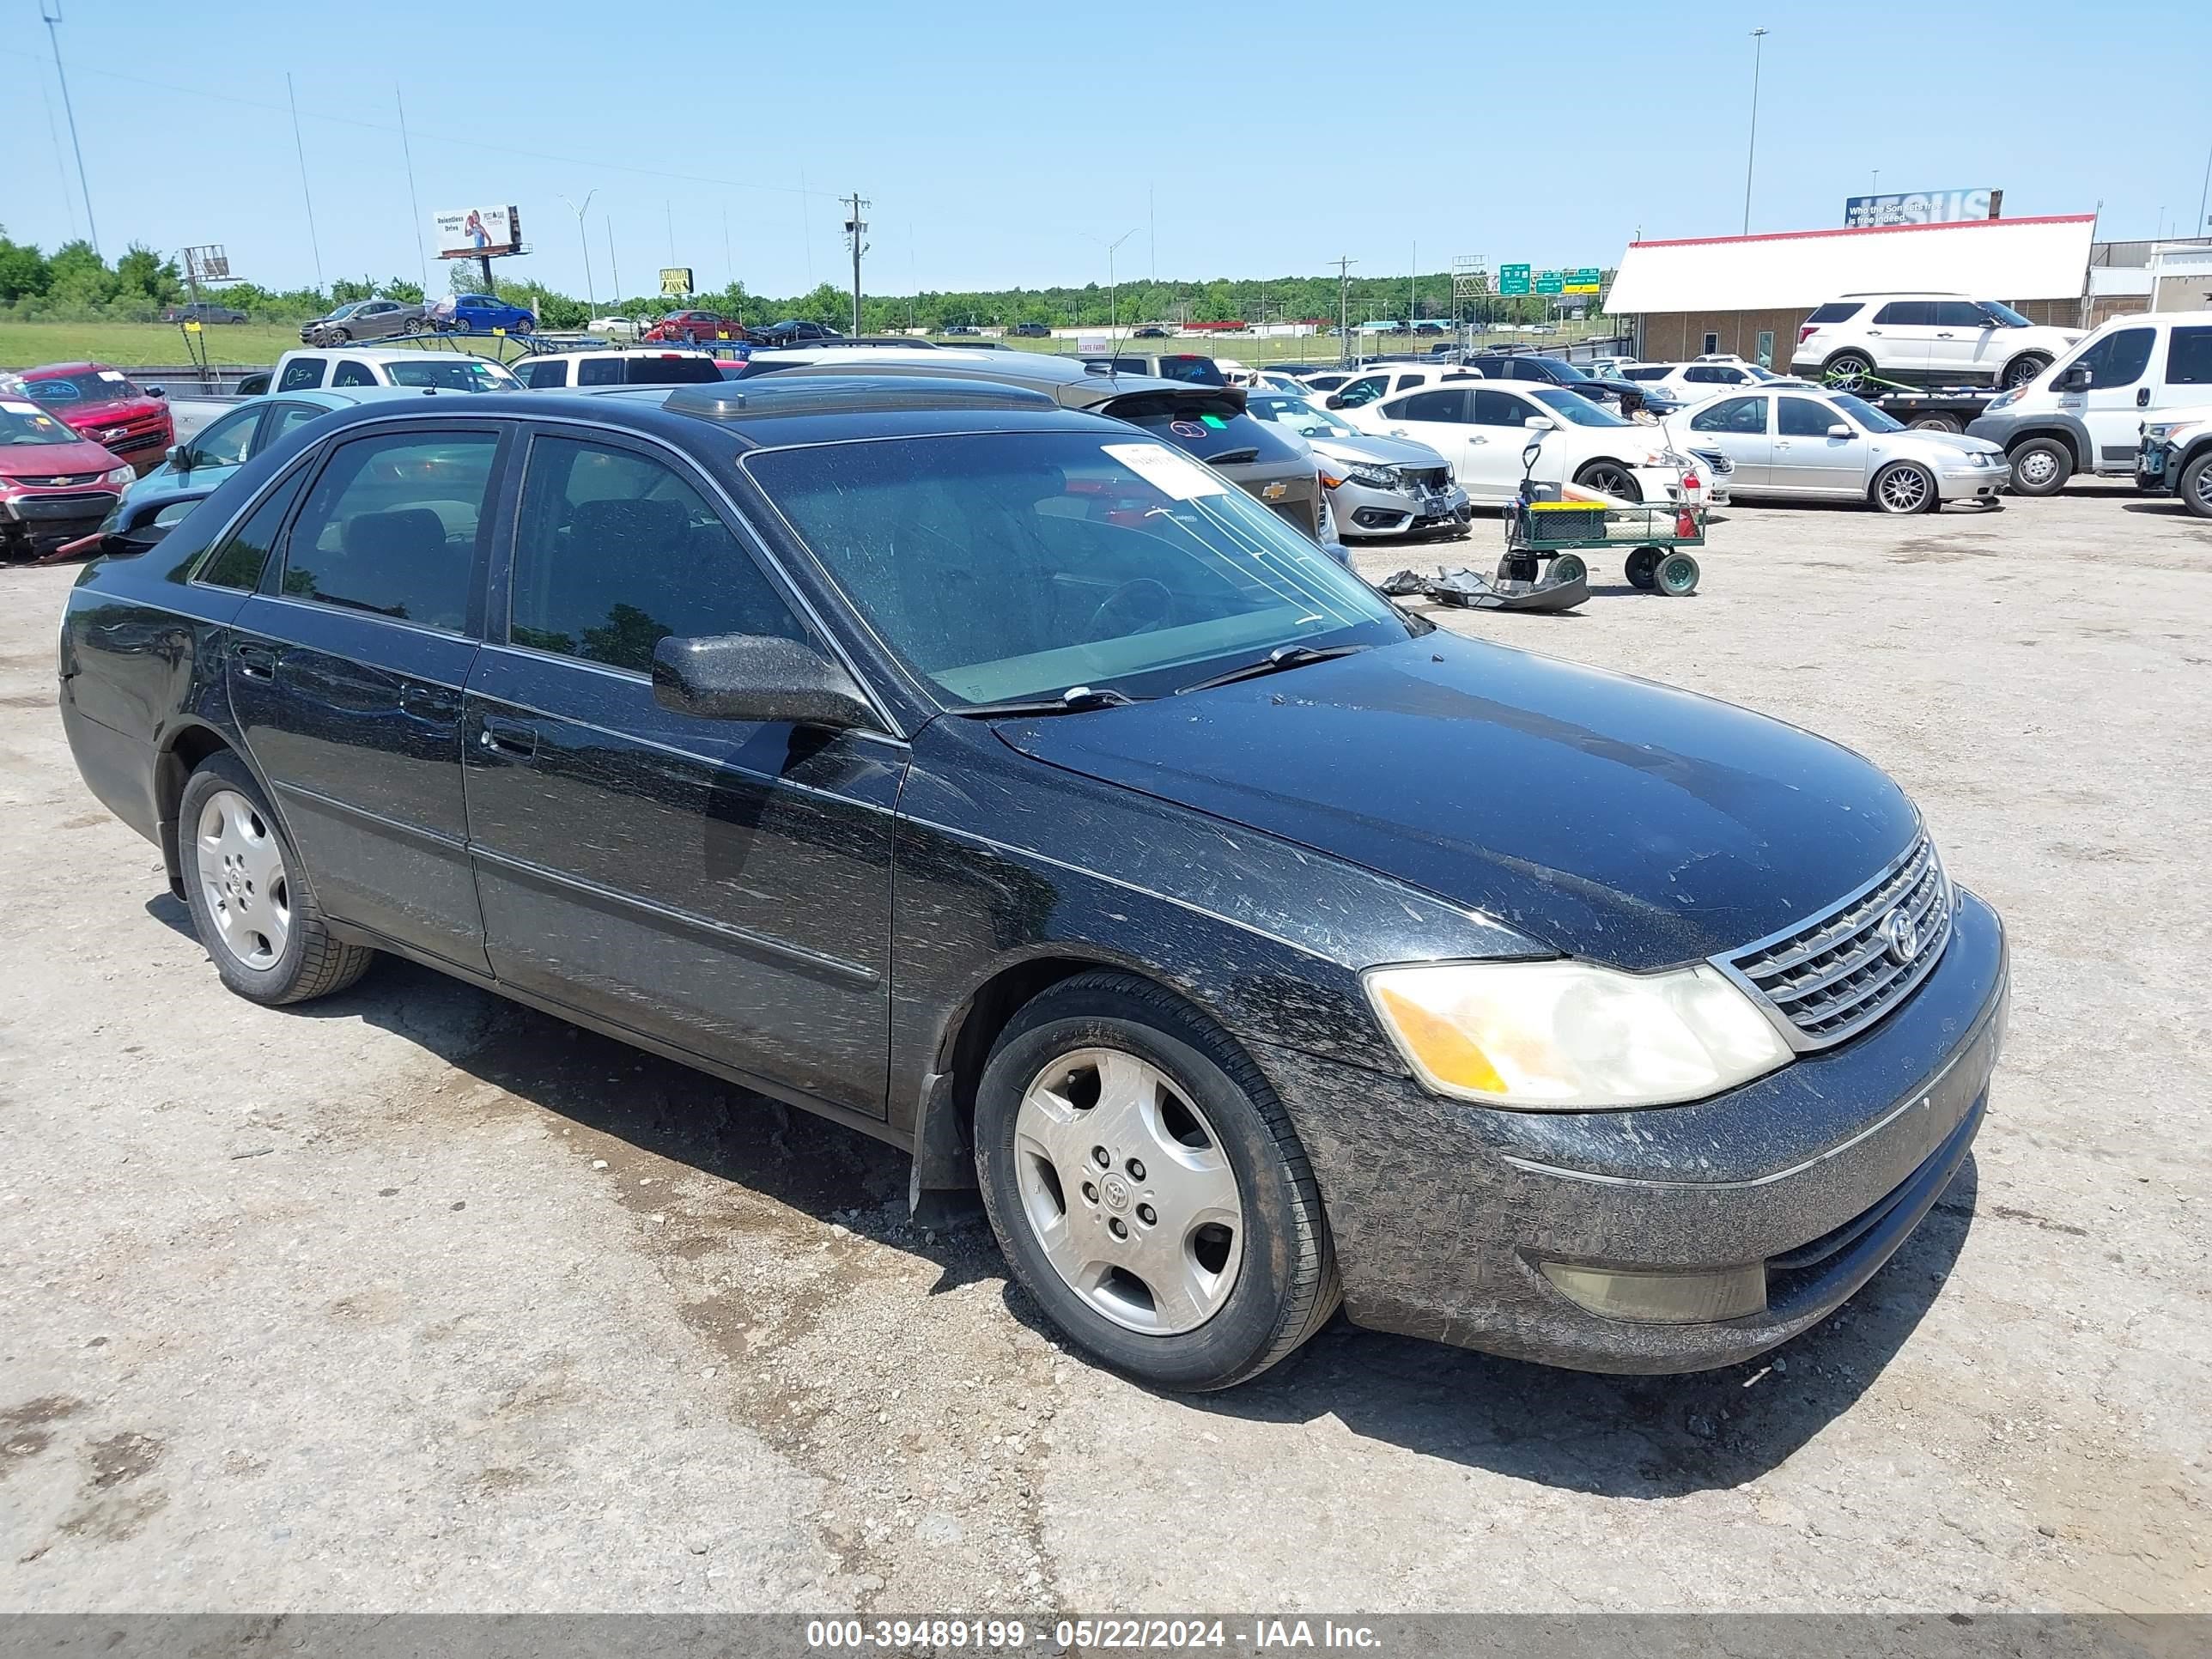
(1386, 452)
(1940, 443)
(108, 412)
(1603, 816)
(34, 462)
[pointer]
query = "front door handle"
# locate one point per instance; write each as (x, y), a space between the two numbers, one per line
(2142, 397)
(255, 662)
(503, 737)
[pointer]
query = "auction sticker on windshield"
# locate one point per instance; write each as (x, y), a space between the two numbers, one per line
(1174, 475)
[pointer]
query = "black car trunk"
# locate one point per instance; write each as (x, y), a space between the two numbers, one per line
(1210, 424)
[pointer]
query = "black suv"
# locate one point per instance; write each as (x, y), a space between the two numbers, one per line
(991, 777)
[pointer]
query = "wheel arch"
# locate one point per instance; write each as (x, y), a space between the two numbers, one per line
(184, 749)
(2065, 430)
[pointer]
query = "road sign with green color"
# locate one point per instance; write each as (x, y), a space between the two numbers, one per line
(1551, 282)
(1513, 279)
(1585, 279)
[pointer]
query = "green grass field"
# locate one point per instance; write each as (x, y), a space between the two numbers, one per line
(138, 345)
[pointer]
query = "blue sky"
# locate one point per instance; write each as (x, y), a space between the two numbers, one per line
(1006, 143)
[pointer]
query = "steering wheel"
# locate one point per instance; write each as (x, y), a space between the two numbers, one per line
(1160, 604)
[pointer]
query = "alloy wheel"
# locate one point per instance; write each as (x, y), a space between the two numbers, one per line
(241, 870)
(2201, 491)
(1904, 490)
(1129, 1191)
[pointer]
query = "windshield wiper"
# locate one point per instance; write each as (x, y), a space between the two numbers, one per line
(1282, 657)
(1076, 699)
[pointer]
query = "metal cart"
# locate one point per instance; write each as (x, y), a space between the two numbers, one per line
(1654, 538)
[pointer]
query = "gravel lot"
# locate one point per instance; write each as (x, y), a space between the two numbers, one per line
(412, 1299)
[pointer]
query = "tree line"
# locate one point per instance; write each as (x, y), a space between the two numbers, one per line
(75, 284)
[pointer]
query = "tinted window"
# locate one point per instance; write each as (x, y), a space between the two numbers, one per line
(1500, 409)
(1429, 406)
(1907, 313)
(2189, 357)
(1408, 382)
(238, 561)
(544, 374)
(1835, 311)
(1800, 417)
(287, 417)
(228, 441)
(1192, 368)
(2119, 359)
(390, 526)
(599, 371)
(351, 372)
(1959, 313)
(1746, 415)
(301, 375)
(616, 551)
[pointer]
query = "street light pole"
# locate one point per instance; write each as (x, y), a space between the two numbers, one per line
(1113, 288)
(591, 296)
(1751, 151)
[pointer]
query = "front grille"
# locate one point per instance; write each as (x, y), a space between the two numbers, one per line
(53, 480)
(1426, 477)
(1715, 461)
(45, 507)
(123, 446)
(1834, 977)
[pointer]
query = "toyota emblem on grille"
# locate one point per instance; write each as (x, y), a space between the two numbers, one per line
(1904, 936)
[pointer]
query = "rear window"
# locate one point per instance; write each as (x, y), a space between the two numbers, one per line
(1212, 429)
(1837, 311)
(1191, 368)
(2189, 357)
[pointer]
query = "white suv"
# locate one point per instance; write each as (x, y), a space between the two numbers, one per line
(1925, 339)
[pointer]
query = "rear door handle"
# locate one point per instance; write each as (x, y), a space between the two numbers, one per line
(503, 737)
(256, 662)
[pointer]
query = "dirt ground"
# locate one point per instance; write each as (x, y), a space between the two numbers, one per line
(411, 1299)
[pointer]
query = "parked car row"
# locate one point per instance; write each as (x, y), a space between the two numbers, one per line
(74, 434)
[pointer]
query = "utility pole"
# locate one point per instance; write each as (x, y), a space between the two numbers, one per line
(856, 229)
(422, 259)
(614, 272)
(1344, 309)
(590, 298)
(1751, 151)
(52, 20)
(315, 244)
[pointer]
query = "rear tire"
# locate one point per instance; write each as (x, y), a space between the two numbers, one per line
(2041, 467)
(1847, 370)
(1642, 566)
(252, 901)
(2195, 486)
(2022, 369)
(1936, 423)
(1569, 567)
(1201, 1110)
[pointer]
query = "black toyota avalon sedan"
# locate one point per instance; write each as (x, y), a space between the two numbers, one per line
(995, 779)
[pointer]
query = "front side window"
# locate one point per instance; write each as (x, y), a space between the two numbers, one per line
(2189, 357)
(2002, 315)
(1959, 314)
(616, 551)
(301, 375)
(238, 560)
(599, 371)
(1364, 390)
(227, 442)
(1800, 417)
(1744, 417)
(1499, 409)
(349, 373)
(2119, 358)
(1018, 565)
(390, 526)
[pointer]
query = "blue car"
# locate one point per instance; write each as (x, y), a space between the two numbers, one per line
(480, 313)
(227, 442)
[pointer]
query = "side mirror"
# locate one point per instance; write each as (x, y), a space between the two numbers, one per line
(2077, 378)
(179, 456)
(157, 392)
(756, 677)
(1336, 402)
(1839, 430)
(1540, 423)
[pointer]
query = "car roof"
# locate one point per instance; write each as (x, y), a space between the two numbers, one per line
(1065, 379)
(59, 371)
(651, 352)
(388, 355)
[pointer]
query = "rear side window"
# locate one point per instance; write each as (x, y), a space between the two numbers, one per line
(1408, 382)
(351, 372)
(1800, 417)
(238, 563)
(670, 370)
(2119, 359)
(599, 371)
(617, 551)
(2189, 357)
(542, 374)
(1449, 406)
(301, 375)
(1744, 417)
(390, 527)
(1835, 311)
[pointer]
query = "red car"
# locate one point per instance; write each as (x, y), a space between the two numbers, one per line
(54, 486)
(694, 327)
(103, 405)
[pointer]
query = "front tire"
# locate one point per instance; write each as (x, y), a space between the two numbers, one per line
(2195, 486)
(1611, 479)
(1848, 370)
(1148, 1189)
(2041, 467)
(1903, 488)
(252, 901)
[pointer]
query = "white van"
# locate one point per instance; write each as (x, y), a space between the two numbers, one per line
(617, 366)
(2086, 412)
(317, 368)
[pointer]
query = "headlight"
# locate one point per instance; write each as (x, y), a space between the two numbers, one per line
(2004, 397)
(2159, 431)
(1550, 1036)
(121, 475)
(1374, 477)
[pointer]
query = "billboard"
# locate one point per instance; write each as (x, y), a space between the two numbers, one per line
(474, 232)
(1923, 207)
(675, 281)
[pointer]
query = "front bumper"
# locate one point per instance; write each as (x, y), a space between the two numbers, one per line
(1971, 484)
(1442, 1212)
(1368, 510)
(40, 519)
(2153, 468)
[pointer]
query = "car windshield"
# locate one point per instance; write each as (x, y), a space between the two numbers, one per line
(1758, 373)
(1009, 566)
(1563, 370)
(102, 386)
(1872, 419)
(1301, 418)
(346, 310)
(2005, 315)
(26, 424)
(454, 374)
(1574, 407)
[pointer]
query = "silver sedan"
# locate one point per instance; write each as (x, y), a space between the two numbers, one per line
(1376, 486)
(1800, 443)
